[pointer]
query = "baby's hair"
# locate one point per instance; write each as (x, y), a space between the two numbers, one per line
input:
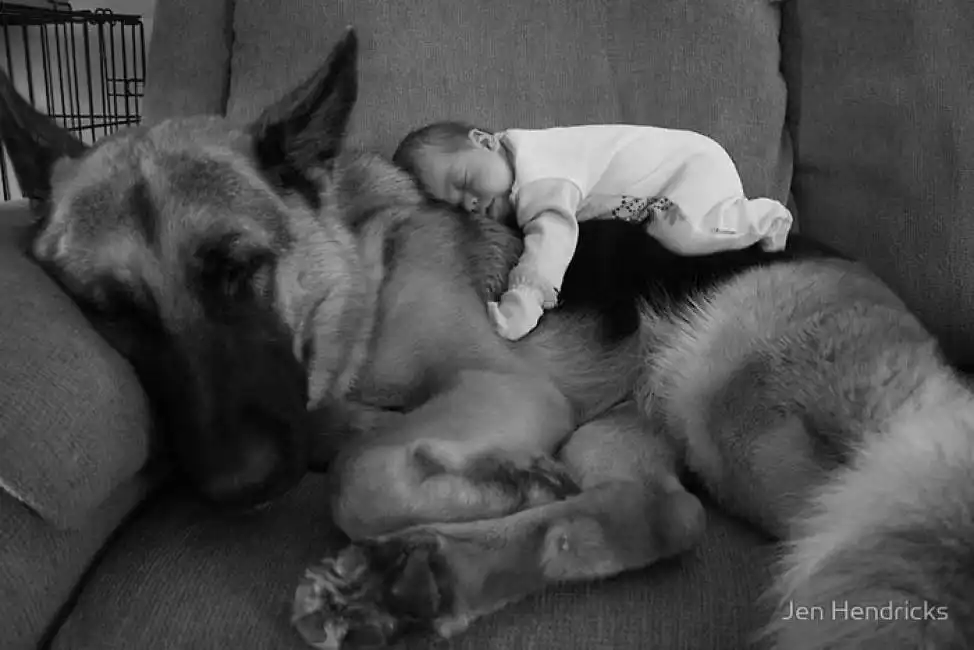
(446, 137)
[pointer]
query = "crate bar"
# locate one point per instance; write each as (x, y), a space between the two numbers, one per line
(114, 89)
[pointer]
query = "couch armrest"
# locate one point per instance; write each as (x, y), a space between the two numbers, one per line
(188, 64)
(74, 422)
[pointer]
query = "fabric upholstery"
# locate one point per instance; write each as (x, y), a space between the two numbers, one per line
(188, 73)
(41, 565)
(73, 420)
(884, 135)
(878, 106)
(709, 65)
(182, 577)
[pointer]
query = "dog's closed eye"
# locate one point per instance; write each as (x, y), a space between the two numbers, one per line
(242, 279)
(235, 271)
(125, 315)
(113, 299)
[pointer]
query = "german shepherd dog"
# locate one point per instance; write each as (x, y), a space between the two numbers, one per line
(281, 298)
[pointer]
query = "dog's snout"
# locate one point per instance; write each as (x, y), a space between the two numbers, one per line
(247, 474)
(243, 436)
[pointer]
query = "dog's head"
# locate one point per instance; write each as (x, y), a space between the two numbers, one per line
(183, 243)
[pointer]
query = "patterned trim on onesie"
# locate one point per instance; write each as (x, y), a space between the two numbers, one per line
(646, 211)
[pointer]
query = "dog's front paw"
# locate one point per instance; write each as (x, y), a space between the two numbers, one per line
(338, 603)
(372, 593)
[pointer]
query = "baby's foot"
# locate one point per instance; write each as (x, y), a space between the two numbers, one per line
(772, 222)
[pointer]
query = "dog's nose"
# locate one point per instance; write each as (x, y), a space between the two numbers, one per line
(264, 453)
(250, 473)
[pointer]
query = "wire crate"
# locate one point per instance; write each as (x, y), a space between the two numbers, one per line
(85, 69)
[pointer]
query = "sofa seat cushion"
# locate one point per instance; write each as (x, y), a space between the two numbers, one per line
(41, 565)
(73, 419)
(182, 576)
(709, 65)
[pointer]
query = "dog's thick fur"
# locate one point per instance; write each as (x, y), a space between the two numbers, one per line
(279, 296)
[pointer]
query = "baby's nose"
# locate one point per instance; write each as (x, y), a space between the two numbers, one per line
(470, 203)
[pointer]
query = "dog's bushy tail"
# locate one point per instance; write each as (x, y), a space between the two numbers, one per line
(885, 558)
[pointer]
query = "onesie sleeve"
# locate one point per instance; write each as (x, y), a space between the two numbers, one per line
(546, 214)
(548, 194)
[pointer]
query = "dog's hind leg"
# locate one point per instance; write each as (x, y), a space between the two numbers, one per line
(479, 449)
(633, 509)
(631, 512)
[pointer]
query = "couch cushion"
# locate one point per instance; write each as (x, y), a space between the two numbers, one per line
(884, 138)
(182, 577)
(709, 65)
(73, 419)
(40, 565)
(189, 59)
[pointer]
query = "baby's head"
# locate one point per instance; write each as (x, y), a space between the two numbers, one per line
(460, 164)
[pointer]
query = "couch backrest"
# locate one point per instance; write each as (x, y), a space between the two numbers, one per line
(877, 95)
(709, 65)
(884, 138)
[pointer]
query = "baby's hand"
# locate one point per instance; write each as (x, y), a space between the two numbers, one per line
(524, 277)
(517, 313)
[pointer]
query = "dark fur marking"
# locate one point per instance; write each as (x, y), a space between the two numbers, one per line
(99, 201)
(228, 402)
(212, 183)
(34, 143)
(251, 424)
(225, 273)
(306, 128)
(829, 446)
(390, 251)
(143, 211)
(484, 260)
(616, 265)
(519, 481)
(751, 383)
(126, 316)
(280, 172)
(416, 580)
(194, 179)
(361, 219)
(239, 425)
(381, 590)
(516, 481)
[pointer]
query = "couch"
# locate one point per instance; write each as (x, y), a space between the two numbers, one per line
(857, 114)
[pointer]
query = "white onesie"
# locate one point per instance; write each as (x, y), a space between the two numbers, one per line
(682, 185)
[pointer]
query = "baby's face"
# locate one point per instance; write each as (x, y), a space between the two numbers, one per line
(478, 179)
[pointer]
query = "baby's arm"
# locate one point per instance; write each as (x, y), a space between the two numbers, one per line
(549, 244)
(546, 213)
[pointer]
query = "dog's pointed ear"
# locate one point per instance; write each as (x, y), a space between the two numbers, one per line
(34, 143)
(305, 130)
